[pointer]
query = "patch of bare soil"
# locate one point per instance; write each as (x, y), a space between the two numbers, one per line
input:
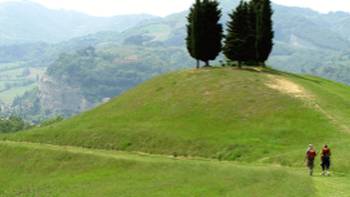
(286, 86)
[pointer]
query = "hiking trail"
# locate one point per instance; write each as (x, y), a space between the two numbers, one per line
(293, 89)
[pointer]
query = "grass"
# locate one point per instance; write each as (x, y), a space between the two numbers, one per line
(12, 74)
(9, 95)
(42, 170)
(218, 114)
(332, 186)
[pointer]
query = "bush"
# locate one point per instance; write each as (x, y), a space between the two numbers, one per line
(13, 124)
(51, 121)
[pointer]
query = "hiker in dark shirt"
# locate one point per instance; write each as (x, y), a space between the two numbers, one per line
(325, 160)
(310, 157)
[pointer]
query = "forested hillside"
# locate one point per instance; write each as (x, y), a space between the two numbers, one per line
(305, 41)
(81, 80)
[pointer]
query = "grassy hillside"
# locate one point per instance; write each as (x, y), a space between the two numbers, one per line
(217, 113)
(41, 170)
(189, 120)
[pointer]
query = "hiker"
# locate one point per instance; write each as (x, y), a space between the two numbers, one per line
(310, 157)
(325, 160)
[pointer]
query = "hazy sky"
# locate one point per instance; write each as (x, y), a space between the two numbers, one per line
(165, 7)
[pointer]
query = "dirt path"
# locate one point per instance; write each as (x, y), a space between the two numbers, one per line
(112, 154)
(293, 89)
(325, 186)
(286, 86)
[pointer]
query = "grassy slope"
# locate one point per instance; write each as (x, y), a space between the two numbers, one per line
(41, 170)
(334, 99)
(219, 113)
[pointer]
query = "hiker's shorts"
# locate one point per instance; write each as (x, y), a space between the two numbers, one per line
(325, 163)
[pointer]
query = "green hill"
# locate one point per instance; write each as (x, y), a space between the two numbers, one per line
(175, 128)
(217, 113)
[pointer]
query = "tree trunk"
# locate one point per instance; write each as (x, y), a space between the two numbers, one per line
(239, 64)
(207, 63)
(198, 64)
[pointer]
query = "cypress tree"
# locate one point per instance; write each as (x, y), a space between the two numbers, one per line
(236, 46)
(265, 34)
(252, 32)
(193, 32)
(212, 31)
(204, 32)
(253, 16)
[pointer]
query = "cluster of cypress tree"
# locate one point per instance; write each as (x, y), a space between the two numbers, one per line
(249, 35)
(204, 31)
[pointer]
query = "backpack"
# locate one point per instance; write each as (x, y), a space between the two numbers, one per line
(326, 152)
(311, 154)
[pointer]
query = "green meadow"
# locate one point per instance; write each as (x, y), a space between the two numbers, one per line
(208, 132)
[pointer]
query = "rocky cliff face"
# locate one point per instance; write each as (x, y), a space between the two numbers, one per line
(53, 97)
(59, 97)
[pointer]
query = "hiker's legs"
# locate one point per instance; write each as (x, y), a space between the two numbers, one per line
(310, 165)
(311, 171)
(327, 165)
(323, 168)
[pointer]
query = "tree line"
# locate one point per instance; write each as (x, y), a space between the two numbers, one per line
(248, 37)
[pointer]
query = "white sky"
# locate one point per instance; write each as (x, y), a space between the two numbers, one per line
(165, 7)
(323, 6)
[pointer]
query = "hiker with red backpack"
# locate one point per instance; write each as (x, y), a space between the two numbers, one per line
(310, 157)
(325, 160)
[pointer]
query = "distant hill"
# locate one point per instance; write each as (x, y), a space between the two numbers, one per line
(305, 42)
(23, 22)
(81, 80)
